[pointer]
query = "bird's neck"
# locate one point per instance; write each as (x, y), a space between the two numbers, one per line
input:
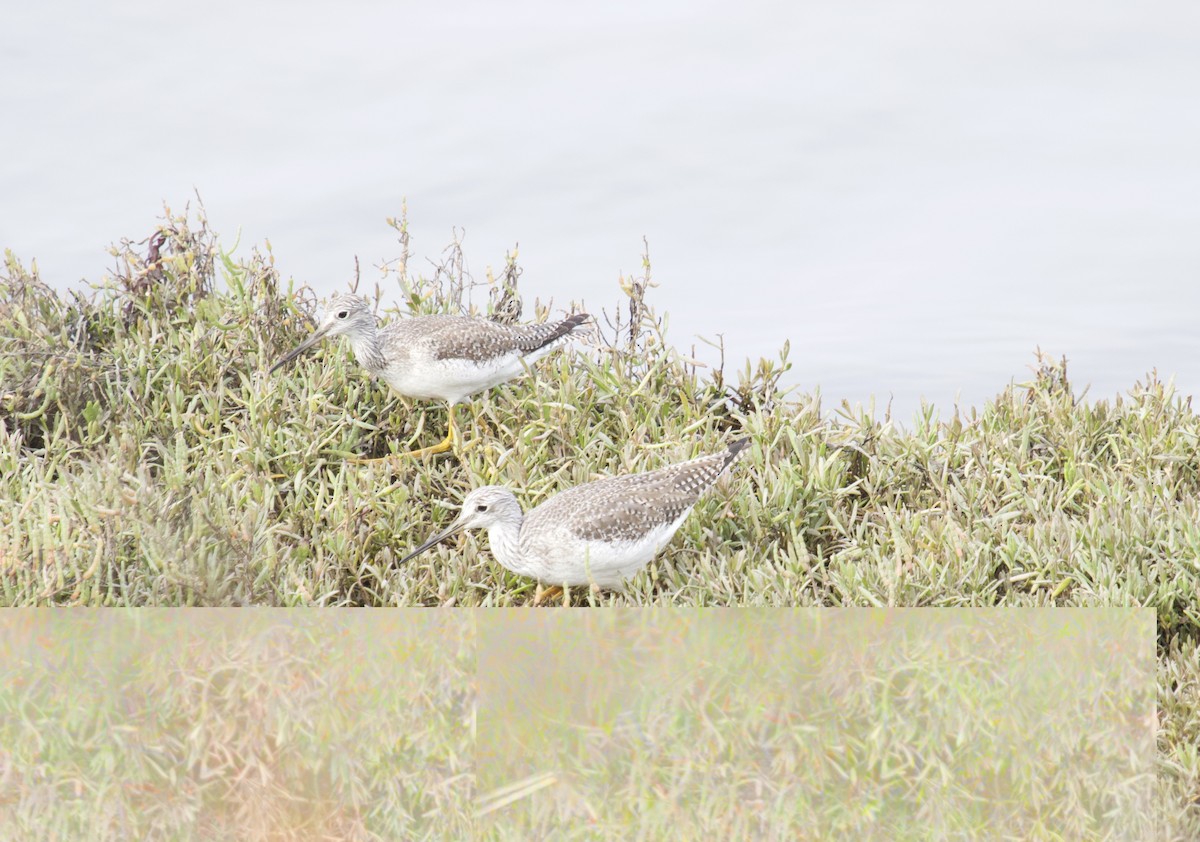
(368, 349)
(504, 538)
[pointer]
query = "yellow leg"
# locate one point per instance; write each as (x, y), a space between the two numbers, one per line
(445, 444)
(464, 446)
(544, 596)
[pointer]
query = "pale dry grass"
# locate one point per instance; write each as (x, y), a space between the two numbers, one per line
(801, 724)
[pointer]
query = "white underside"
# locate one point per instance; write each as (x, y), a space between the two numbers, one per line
(560, 558)
(452, 380)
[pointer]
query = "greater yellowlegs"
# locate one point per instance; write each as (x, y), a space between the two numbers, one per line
(443, 357)
(599, 533)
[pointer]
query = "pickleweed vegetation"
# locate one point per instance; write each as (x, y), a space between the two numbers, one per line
(146, 458)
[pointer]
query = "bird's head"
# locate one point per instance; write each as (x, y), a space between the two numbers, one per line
(483, 508)
(345, 315)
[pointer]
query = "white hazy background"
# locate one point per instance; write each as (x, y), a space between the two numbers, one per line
(916, 195)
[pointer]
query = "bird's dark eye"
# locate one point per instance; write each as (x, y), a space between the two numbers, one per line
(343, 314)
(482, 507)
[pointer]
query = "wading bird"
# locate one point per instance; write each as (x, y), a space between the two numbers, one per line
(441, 357)
(600, 533)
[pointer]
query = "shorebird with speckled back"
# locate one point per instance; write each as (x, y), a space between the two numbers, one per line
(600, 533)
(441, 357)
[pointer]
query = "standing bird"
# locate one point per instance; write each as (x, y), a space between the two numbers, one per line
(440, 357)
(599, 533)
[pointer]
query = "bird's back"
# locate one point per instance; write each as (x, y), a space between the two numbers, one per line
(451, 357)
(472, 339)
(627, 509)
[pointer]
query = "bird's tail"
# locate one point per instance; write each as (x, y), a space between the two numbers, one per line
(734, 451)
(538, 337)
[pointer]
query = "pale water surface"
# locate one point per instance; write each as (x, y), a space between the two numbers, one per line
(916, 194)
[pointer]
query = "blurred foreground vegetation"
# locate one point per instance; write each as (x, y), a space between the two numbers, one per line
(236, 725)
(778, 724)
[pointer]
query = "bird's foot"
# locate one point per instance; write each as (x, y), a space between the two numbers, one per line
(441, 447)
(544, 595)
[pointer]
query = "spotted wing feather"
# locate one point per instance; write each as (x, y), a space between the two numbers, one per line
(479, 340)
(626, 508)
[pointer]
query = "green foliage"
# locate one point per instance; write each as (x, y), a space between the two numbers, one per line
(146, 458)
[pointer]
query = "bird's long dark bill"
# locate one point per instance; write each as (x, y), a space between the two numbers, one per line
(432, 542)
(298, 350)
